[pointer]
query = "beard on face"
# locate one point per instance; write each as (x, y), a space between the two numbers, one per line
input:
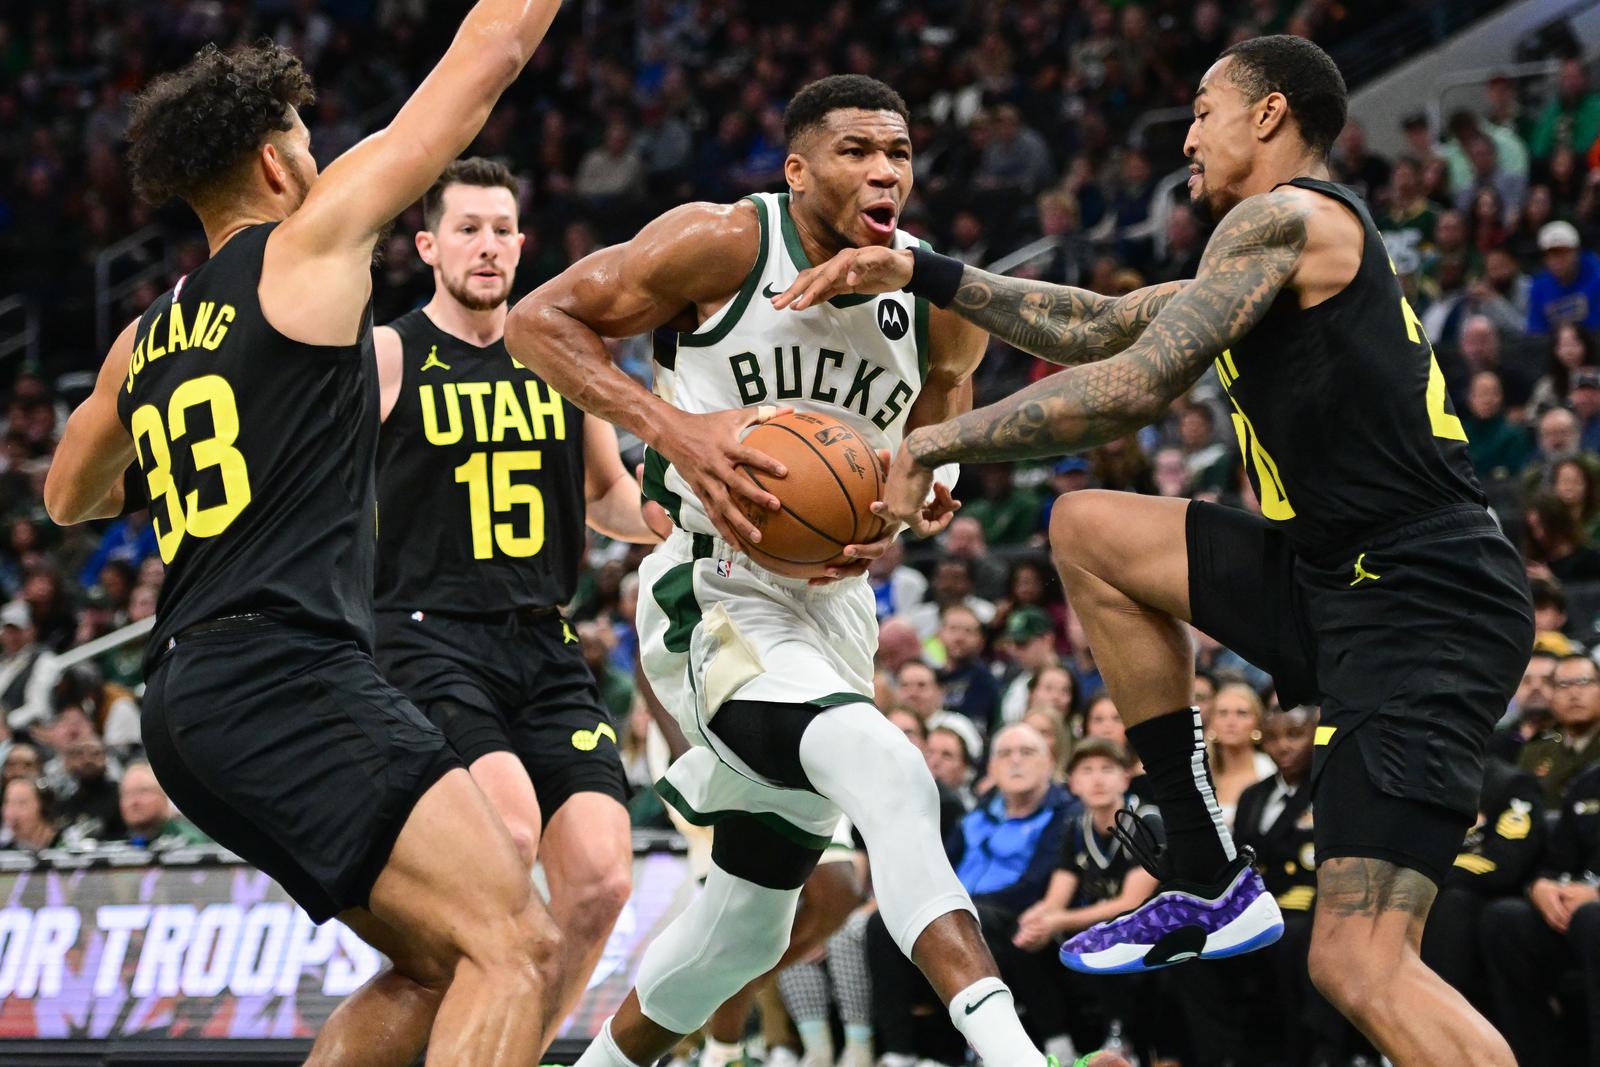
(457, 287)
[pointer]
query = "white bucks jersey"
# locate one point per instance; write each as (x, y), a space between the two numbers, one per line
(859, 359)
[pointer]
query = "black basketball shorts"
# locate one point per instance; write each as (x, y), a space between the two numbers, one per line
(516, 685)
(1412, 642)
(288, 747)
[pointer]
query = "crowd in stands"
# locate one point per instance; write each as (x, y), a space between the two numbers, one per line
(1020, 117)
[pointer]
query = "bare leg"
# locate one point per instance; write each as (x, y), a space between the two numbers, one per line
(386, 1022)
(1124, 562)
(587, 854)
(505, 782)
(1364, 959)
(456, 891)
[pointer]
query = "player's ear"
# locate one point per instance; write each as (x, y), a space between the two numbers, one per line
(1271, 112)
(427, 248)
(795, 172)
(274, 168)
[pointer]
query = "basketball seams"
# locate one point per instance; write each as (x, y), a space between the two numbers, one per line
(787, 511)
(855, 520)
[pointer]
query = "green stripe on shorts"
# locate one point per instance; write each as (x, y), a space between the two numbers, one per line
(776, 823)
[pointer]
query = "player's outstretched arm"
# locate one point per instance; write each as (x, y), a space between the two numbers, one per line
(369, 185)
(614, 504)
(85, 479)
(689, 258)
(1059, 323)
(1253, 254)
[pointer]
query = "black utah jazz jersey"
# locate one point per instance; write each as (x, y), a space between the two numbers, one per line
(1341, 409)
(258, 454)
(480, 481)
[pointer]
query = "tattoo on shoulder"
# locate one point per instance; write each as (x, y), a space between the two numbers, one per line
(1359, 886)
(1179, 329)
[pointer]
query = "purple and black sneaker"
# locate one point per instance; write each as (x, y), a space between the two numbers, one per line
(1182, 921)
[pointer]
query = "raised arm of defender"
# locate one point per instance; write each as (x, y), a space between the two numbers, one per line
(1059, 323)
(364, 189)
(682, 265)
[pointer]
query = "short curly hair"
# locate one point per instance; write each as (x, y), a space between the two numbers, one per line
(1306, 76)
(191, 127)
(812, 104)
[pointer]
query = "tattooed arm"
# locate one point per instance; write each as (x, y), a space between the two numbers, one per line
(1250, 258)
(1058, 322)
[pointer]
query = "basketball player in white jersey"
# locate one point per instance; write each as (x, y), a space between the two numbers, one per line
(771, 677)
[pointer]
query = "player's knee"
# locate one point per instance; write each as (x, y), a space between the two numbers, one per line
(1080, 520)
(599, 900)
(1351, 977)
(526, 840)
(523, 948)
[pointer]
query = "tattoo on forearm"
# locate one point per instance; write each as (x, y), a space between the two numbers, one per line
(1057, 322)
(1246, 264)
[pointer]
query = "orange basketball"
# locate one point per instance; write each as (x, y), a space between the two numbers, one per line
(832, 479)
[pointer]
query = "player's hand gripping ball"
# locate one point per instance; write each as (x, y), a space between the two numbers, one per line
(833, 478)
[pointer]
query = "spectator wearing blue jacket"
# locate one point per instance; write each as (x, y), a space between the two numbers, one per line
(131, 539)
(1004, 852)
(1568, 289)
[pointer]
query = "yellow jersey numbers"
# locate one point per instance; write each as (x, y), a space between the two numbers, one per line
(156, 434)
(1274, 498)
(491, 492)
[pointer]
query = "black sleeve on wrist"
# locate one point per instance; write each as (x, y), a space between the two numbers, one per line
(934, 277)
(135, 493)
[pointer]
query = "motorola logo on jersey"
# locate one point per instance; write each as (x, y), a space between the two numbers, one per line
(892, 319)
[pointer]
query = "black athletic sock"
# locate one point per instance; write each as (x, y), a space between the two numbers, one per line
(1173, 749)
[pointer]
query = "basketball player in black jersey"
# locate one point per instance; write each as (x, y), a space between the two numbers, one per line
(247, 398)
(1374, 580)
(485, 476)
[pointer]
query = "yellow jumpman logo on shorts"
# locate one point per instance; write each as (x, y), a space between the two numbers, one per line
(567, 636)
(433, 360)
(1362, 574)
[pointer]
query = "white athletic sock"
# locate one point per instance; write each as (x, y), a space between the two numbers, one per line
(603, 1051)
(721, 1053)
(816, 1037)
(987, 1017)
(857, 1034)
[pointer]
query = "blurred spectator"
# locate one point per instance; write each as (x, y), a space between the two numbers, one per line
(27, 671)
(1184, 245)
(1209, 459)
(1528, 943)
(967, 241)
(949, 763)
(1016, 161)
(1356, 165)
(1528, 715)
(1497, 448)
(1556, 545)
(895, 587)
(1095, 879)
(1571, 347)
(1575, 485)
(898, 644)
(1407, 217)
(969, 687)
(1233, 732)
(148, 814)
(1572, 117)
(1479, 349)
(21, 760)
(1568, 289)
(616, 686)
(611, 175)
(1497, 860)
(1556, 757)
(1031, 639)
(131, 539)
(921, 694)
(1005, 512)
(965, 540)
(27, 816)
(88, 807)
(952, 585)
